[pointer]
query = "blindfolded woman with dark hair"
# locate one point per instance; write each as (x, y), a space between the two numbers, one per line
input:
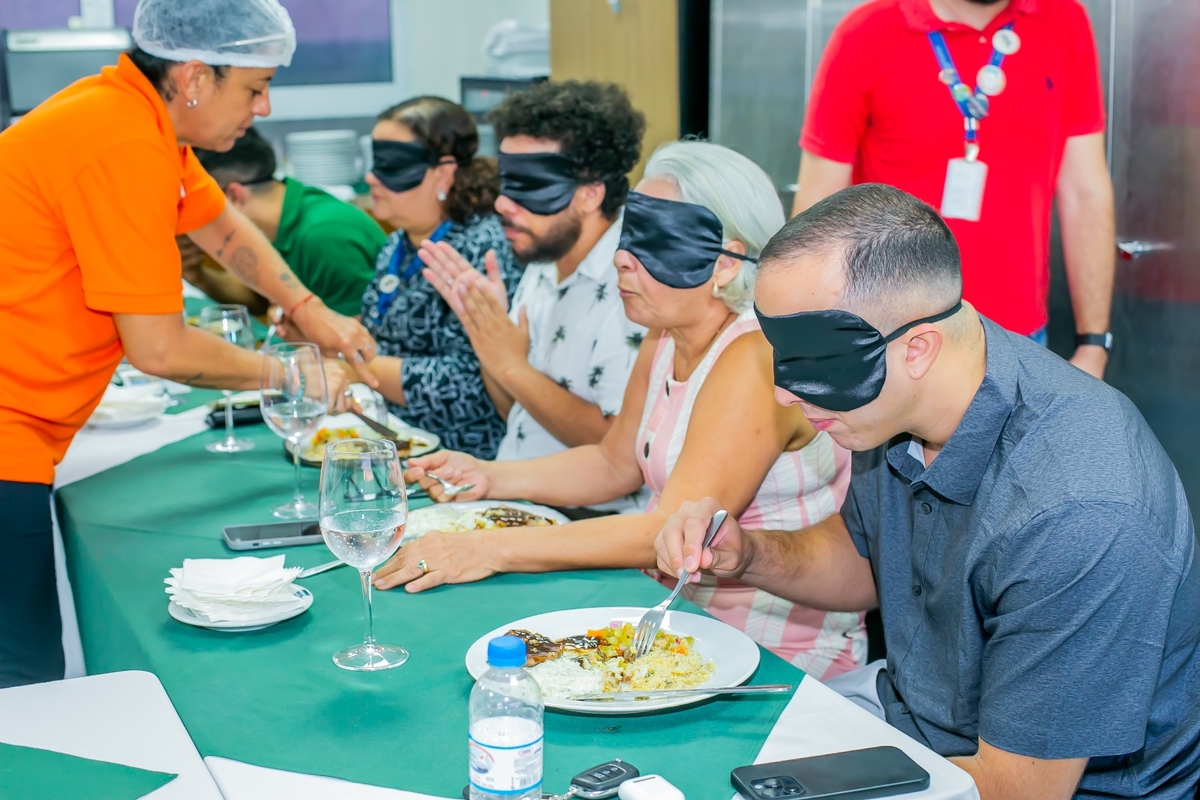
(429, 184)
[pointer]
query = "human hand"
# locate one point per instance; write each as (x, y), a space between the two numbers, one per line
(448, 272)
(337, 386)
(453, 467)
(1092, 359)
(678, 543)
(334, 333)
(499, 345)
(437, 558)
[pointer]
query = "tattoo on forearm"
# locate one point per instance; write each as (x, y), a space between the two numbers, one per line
(225, 243)
(288, 279)
(244, 263)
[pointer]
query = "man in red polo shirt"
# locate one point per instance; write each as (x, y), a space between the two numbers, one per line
(899, 90)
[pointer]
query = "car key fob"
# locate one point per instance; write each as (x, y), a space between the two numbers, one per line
(603, 780)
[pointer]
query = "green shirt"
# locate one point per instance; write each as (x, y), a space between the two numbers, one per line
(330, 245)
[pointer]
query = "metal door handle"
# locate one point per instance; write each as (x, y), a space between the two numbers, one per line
(1135, 248)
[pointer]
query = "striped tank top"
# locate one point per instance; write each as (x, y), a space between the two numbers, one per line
(801, 488)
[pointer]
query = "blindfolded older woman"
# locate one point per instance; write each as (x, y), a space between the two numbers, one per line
(699, 417)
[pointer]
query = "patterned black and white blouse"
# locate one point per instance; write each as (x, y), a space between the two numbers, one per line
(443, 388)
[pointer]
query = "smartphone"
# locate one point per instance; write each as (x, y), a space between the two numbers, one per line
(276, 534)
(853, 775)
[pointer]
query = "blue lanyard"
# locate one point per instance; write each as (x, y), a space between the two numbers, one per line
(972, 104)
(413, 265)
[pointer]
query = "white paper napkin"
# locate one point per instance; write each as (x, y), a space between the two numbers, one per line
(234, 589)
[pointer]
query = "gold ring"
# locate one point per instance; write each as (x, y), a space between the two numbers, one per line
(424, 567)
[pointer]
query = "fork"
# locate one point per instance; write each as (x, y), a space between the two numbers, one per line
(448, 488)
(652, 620)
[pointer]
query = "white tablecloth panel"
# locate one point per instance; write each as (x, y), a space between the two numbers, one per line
(122, 717)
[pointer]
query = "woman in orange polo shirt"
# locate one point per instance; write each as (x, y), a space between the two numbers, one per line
(94, 186)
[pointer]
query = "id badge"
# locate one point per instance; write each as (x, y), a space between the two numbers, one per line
(962, 197)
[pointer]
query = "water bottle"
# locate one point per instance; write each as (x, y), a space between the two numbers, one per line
(506, 727)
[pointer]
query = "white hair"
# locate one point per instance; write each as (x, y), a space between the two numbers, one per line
(735, 189)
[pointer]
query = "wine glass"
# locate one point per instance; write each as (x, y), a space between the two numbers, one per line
(294, 402)
(231, 323)
(364, 511)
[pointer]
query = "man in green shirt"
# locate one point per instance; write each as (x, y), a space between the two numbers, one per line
(330, 245)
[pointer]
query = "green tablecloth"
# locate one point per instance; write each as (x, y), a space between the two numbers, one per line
(27, 772)
(273, 697)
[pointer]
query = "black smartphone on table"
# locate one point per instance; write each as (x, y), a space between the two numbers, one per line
(275, 534)
(852, 775)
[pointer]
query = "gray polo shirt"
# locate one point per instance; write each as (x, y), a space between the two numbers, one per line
(1038, 581)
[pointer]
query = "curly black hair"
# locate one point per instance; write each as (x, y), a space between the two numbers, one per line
(594, 123)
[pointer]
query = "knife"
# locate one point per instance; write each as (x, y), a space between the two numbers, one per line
(308, 573)
(379, 428)
(654, 694)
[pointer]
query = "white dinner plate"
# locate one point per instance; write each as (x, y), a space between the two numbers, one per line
(733, 653)
(439, 515)
(187, 617)
(423, 441)
(127, 413)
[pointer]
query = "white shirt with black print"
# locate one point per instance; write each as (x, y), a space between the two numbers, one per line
(580, 338)
(443, 388)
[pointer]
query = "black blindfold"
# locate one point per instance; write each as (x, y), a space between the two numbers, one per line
(401, 166)
(833, 359)
(540, 183)
(678, 243)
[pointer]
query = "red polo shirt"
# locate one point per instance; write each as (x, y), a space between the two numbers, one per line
(878, 104)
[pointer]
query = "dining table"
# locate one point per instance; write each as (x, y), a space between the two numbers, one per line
(273, 716)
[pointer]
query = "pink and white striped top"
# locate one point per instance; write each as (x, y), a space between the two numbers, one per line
(802, 488)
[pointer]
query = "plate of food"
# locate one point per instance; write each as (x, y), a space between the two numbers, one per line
(413, 441)
(479, 515)
(580, 651)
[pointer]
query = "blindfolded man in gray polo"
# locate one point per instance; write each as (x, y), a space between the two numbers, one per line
(1023, 533)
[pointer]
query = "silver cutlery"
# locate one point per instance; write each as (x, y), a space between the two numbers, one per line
(317, 570)
(652, 620)
(270, 335)
(653, 694)
(448, 488)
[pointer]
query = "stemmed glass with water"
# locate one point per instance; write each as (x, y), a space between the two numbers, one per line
(364, 511)
(294, 401)
(231, 323)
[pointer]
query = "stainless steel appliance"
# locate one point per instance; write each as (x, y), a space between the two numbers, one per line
(36, 64)
(764, 55)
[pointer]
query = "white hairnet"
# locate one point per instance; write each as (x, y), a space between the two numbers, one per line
(235, 33)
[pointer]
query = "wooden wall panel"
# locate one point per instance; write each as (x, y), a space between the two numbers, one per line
(637, 47)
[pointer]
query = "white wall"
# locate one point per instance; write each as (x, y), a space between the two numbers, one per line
(444, 38)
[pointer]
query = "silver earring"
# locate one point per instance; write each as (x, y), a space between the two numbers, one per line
(716, 289)
(193, 103)
(441, 197)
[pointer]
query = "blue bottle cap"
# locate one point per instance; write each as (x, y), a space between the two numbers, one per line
(506, 651)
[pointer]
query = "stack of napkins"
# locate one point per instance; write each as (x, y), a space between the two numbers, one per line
(122, 403)
(241, 589)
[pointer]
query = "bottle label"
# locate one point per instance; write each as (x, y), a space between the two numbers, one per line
(503, 769)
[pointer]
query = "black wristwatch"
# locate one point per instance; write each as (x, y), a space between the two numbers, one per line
(1104, 340)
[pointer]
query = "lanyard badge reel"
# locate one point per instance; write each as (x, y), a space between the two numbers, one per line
(962, 196)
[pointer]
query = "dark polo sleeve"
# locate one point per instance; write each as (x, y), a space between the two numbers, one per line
(1082, 595)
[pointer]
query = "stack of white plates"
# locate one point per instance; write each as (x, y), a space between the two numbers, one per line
(325, 158)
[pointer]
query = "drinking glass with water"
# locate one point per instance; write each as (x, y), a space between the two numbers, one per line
(294, 402)
(364, 510)
(231, 323)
